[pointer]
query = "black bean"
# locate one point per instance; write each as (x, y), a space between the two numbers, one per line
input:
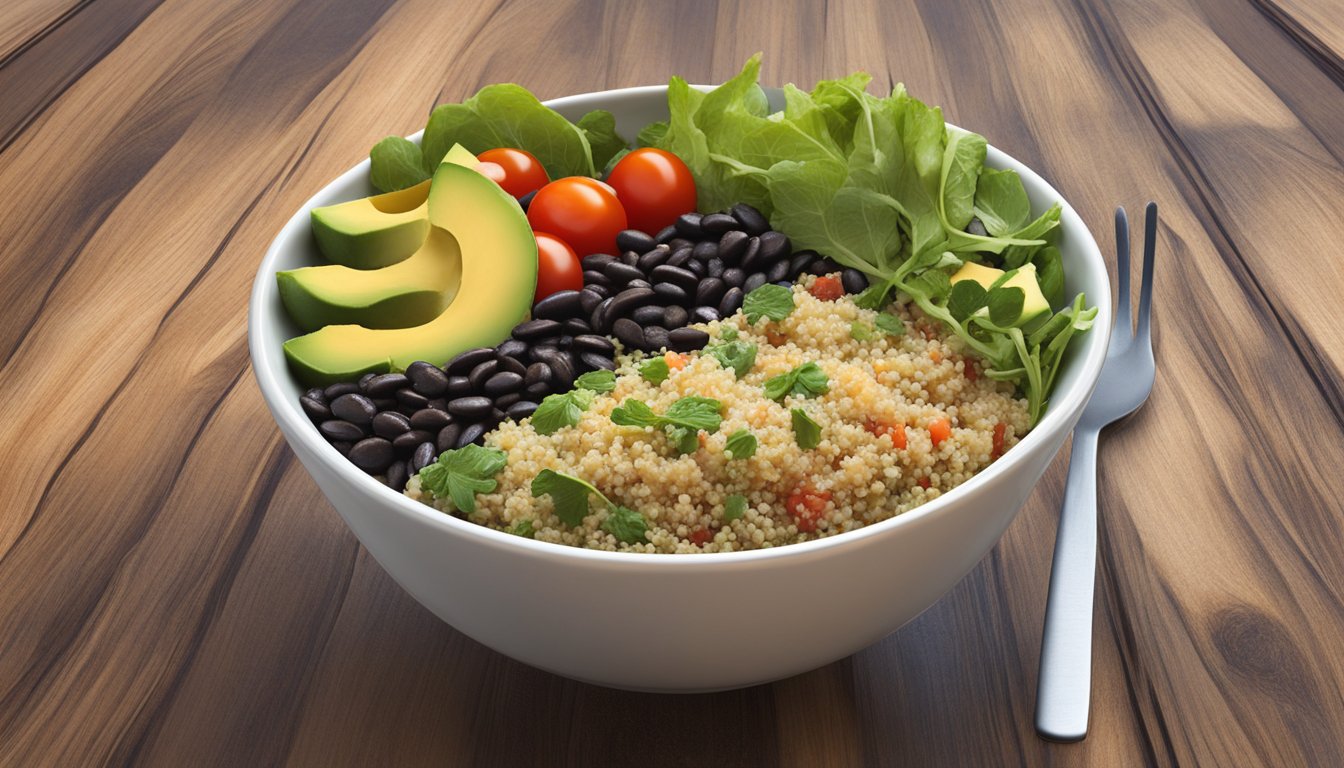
(688, 225)
(316, 409)
(482, 372)
(775, 245)
(710, 291)
(589, 299)
(511, 348)
(470, 408)
(682, 278)
(558, 306)
(799, 263)
(470, 434)
(601, 317)
(576, 327)
(384, 403)
(342, 446)
(778, 271)
(458, 386)
(593, 361)
(731, 246)
(364, 381)
(698, 268)
(385, 384)
(734, 277)
(389, 424)
(463, 363)
(653, 258)
(751, 255)
(502, 383)
(397, 476)
(372, 454)
(655, 338)
(513, 364)
(752, 220)
(337, 429)
(687, 339)
(427, 379)
(623, 303)
(438, 404)
(532, 330)
(620, 273)
(671, 294)
(715, 268)
(447, 438)
(823, 267)
(423, 456)
(521, 410)
(718, 223)
(705, 314)
(591, 277)
(677, 243)
(705, 250)
(853, 280)
(754, 280)
(731, 302)
(496, 416)
(674, 317)
(316, 394)
(634, 240)
(639, 283)
(537, 372)
(678, 258)
(562, 371)
(630, 258)
(504, 401)
(430, 420)
(407, 441)
(537, 391)
(647, 315)
(629, 332)
(594, 343)
(408, 410)
(665, 234)
(596, 262)
(356, 409)
(977, 227)
(341, 388)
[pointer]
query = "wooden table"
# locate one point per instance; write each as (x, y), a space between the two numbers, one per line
(176, 592)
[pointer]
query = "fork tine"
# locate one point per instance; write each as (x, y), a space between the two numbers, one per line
(1146, 287)
(1122, 326)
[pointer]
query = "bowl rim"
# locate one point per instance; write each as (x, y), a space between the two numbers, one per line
(285, 410)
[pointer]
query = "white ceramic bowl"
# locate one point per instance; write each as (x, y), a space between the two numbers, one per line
(675, 622)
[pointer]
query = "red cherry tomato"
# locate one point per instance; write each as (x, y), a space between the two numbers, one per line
(654, 186)
(491, 171)
(521, 172)
(581, 211)
(558, 269)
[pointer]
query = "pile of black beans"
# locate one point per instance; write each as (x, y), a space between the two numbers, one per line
(694, 271)
(395, 424)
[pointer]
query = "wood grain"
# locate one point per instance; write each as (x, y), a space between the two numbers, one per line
(177, 592)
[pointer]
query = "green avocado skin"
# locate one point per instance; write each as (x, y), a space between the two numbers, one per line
(372, 249)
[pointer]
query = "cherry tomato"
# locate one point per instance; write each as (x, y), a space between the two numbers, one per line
(654, 186)
(558, 269)
(520, 171)
(581, 211)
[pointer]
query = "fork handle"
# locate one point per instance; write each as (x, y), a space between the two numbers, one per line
(1064, 686)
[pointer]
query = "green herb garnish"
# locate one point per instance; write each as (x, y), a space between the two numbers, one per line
(741, 445)
(462, 473)
(525, 528)
(600, 381)
(740, 356)
(682, 422)
(570, 495)
(805, 430)
(889, 324)
(860, 332)
(807, 380)
(769, 300)
(734, 507)
(627, 525)
(655, 369)
(562, 409)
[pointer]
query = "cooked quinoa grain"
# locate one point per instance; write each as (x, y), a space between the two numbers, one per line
(876, 457)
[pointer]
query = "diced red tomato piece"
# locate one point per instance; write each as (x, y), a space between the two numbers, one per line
(700, 536)
(996, 449)
(923, 482)
(827, 288)
(896, 431)
(939, 430)
(969, 370)
(806, 505)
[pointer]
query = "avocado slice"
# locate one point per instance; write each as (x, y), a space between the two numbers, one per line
(498, 258)
(410, 292)
(1034, 305)
(381, 230)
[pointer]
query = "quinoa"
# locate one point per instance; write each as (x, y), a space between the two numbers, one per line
(854, 477)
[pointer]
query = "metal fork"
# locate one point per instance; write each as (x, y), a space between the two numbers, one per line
(1065, 681)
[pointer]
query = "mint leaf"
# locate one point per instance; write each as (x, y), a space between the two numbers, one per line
(655, 369)
(734, 507)
(683, 421)
(769, 300)
(462, 473)
(805, 431)
(525, 528)
(627, 525)
(634, 413)
(860, 332)
(740, 356)
(569, 494)
(394, 163)
(600, 381)
(561, 410)
(890, 324)
(741, 445)
(807, 380)
(695, 413)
